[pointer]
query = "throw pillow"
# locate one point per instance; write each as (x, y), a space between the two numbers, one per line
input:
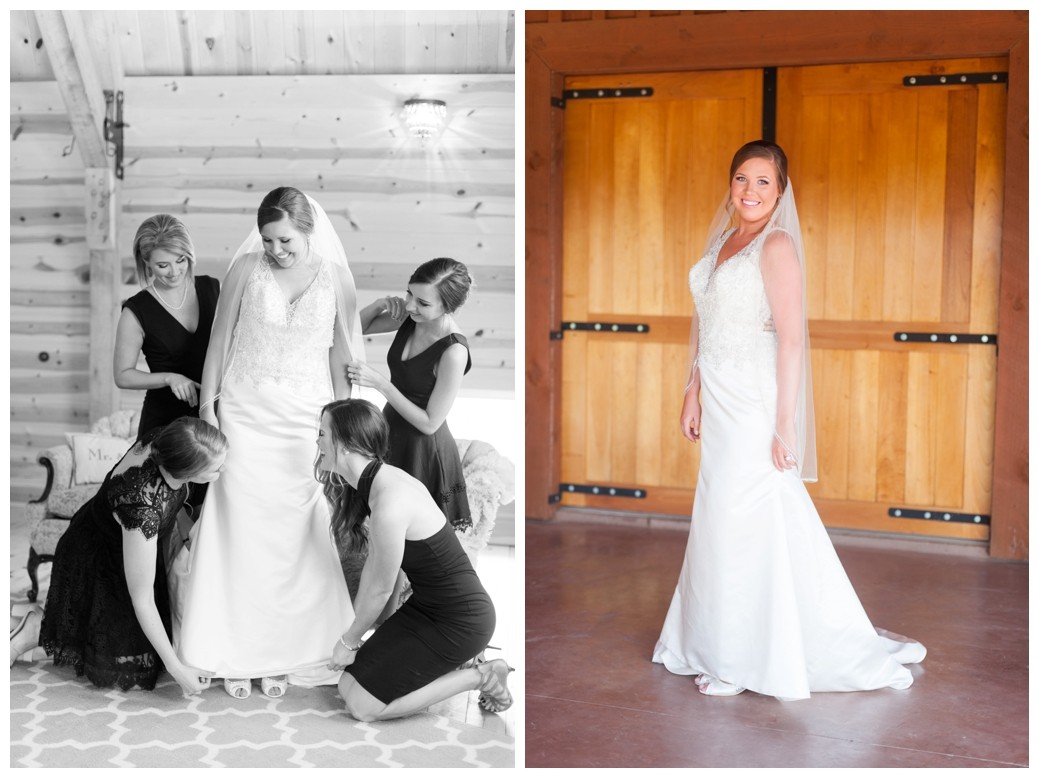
(94, 455)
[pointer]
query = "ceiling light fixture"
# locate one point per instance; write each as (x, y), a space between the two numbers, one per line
(424, 118)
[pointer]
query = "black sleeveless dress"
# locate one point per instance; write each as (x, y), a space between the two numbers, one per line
(448, 619)
(169, 348)
(432, 459)
(89, 620)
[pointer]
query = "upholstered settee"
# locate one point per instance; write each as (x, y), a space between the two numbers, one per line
(75, 470)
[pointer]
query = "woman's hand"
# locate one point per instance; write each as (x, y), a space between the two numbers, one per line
(783, 457)
(394, 308)
(183, 388)
(363, 374)
(191, 679)
(690, 418)
(342, 657)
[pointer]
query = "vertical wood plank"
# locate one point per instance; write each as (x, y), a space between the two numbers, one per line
(899, 221)
(841, 236)
(1010, 466)
(102, 207)
(920, 431)
(930, 206)
(869, 280)
(959, 205)
(987, 229)
(978, 431)
(543, 254)
(863, 430)
(892, 409)
(949, 400)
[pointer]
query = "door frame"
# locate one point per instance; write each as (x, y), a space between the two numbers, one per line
(556, 49)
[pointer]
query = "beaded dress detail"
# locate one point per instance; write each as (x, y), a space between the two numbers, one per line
(282, 341)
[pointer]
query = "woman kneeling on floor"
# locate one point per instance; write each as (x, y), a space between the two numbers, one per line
(414, 658)
(107, 611)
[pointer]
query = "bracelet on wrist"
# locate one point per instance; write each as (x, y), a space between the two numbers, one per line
(348, 647)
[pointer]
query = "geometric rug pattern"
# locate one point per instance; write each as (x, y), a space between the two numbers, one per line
(59, 720)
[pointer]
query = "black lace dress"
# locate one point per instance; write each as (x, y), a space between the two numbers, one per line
(432, 459)
(89, 620)
(448, 619)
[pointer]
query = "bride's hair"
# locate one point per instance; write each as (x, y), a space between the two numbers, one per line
(286, 202)
(762, 149)
(358, 426)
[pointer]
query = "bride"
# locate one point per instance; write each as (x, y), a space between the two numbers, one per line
(762, 602)
(265, 595)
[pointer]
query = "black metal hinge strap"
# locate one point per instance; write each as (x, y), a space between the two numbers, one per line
(114, 127)
(945, 337)
(603, 326)
(601, 93)
(952, 79)
(937, 515)
(602, 491)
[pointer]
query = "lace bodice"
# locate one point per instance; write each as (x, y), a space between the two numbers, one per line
(142, 500)
(281, 341)
(735, 318)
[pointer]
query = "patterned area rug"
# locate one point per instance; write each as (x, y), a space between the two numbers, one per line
(58, 720)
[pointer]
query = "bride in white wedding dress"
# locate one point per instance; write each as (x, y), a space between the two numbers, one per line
(265, 596)
(762, 602)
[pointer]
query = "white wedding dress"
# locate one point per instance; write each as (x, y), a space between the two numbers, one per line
(265, 594)
(762, 601)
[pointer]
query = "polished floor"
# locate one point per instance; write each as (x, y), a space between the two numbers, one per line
(597, 592)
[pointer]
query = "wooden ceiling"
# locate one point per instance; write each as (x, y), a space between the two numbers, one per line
(223, 43)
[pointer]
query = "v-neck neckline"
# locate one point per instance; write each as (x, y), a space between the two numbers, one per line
(408, 340)
(198, 298)
(292, 303)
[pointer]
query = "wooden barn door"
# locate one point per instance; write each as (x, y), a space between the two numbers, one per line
(641, 186)
(899, 189)
(899, 181)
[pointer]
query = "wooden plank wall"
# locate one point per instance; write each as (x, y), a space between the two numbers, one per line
(207, 149)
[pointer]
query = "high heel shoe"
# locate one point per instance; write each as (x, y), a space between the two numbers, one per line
(714, 687)
(274, 687)
(26, 636)
(239, 688)
(494, 687)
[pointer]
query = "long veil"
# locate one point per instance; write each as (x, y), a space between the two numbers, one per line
(348, 343)
(784, 218)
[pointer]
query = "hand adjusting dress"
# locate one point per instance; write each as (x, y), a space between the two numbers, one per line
(431, 459)
(762, 601)
(89, 621)
(265, 592)
(448, 619)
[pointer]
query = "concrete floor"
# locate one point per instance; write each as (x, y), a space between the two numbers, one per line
(596, 598)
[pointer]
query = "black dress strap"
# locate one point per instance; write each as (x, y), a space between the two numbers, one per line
(364, 483)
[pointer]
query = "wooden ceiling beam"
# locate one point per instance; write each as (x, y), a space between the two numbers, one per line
(71, 47)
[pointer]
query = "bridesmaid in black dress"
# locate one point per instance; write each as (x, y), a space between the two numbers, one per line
(427, 359)
(170, 322)
(107, 611)
(414, 657)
